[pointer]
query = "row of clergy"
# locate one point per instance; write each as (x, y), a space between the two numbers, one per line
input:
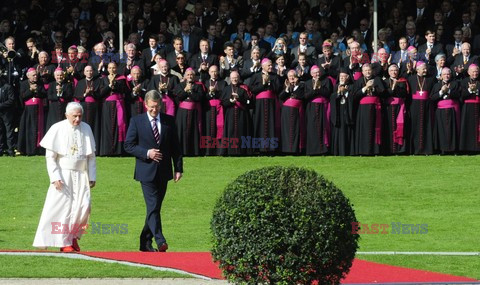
(341, 116)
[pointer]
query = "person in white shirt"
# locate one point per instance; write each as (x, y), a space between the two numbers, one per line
(71, 165)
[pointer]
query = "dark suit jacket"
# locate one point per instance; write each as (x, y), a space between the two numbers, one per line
(436, 49)
(140, 139)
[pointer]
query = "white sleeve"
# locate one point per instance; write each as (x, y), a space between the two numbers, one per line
(92, 167)
(52, 166)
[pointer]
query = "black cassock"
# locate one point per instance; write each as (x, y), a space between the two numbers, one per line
(213, 113)
(57, 104)
(189, 117)
(421, 115)
(32, 122)
(470, 120)
(169, 106)
(135, 101)
(114, 120)
(368, 130)
(91, 106)
(78, 67)
(266, 121)
(317, 121)
(342, 122)
(238, 125)
(293, 131)
(447, 117)
(395, 123)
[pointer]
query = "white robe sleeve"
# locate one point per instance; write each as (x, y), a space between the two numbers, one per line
(92, 167)
(52, 166)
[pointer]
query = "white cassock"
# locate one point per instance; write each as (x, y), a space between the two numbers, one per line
(70, 155)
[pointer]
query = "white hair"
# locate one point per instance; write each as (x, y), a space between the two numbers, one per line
(72, 106)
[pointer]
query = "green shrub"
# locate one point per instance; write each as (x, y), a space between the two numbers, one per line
(283, 225)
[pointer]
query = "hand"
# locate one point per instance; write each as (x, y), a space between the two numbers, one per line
(178, 176)
(92, 184)
(472, 87)
(204, 66)
(58, 185)
(369, 83)
(342, 89)
(445, 88)
(70, 69)
(429, 51)
(155, 154)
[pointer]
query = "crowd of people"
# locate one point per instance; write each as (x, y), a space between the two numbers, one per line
(247, 77)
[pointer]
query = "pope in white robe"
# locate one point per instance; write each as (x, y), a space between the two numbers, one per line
(70, 156)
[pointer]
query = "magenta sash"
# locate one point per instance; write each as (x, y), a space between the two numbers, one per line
(46, 86)
(398, 133)
(239, 105)
(90, 99)
(268, 94)
(169, 105)
(357, 75)
(298, 104)
(418, 96)
(75, 82)
(333, 80)
(475, 101)
(40, 116)
(369, 100)
(449, 104)
(326, 111)
(194, 106)
(122, 126)
(220, 117)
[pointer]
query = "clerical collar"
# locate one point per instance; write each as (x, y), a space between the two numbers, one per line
(88, 79)
(163, 74)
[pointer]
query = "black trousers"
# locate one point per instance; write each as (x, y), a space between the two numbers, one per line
(153, 193)
(6, 131)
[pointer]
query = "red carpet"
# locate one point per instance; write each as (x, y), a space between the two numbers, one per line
(201, 263)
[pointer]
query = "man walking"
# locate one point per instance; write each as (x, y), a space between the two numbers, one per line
(152, 139)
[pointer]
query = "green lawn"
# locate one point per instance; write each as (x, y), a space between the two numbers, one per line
(441, 191)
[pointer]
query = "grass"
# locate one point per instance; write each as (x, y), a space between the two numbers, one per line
(441, 191)
(41, 267)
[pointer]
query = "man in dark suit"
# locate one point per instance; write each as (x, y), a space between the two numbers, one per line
(190, 40)
(152, 139)
(202, 61)
(428, 51)
(178, 49)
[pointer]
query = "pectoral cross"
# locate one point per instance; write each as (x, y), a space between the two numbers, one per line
(421, 93)
(33, 99)
(74, 149)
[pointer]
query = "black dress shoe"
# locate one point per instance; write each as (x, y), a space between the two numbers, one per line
(11, 153)
(148, 248)
(163, 247)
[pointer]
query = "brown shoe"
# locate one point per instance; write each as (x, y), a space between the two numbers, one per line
(163, 247)
(75, 245)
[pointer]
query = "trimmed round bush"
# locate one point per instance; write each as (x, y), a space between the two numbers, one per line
(283, 225)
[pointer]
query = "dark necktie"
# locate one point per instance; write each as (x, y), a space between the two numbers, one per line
(156, 134)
